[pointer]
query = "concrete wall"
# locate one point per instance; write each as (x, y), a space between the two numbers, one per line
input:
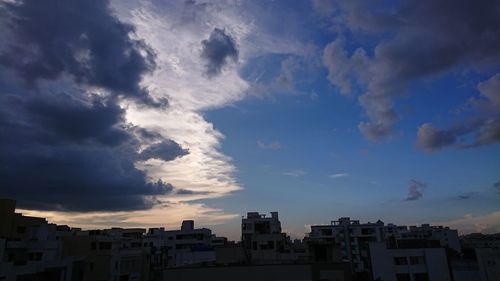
(289, 272)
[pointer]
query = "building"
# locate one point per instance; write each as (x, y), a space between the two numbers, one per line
(409, 261)
(262, 272)
(488, 260)
(30, 248)
(352, 237)
(479, 240)
(447, 237)
(110, 254)
(189, 245)
(264, 243)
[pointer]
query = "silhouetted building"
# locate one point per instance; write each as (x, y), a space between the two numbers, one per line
(352, 237)
(189, 246)
(262, 272)
(488, 260)
(30, 248)
(263, 241)
(409, 261)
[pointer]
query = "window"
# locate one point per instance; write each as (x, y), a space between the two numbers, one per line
(93, 245)
(417, 260)
(420, 277)
(403, 277)
(21, 229)
(400, 261)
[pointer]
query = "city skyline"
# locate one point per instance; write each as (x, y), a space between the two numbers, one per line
(147, 113)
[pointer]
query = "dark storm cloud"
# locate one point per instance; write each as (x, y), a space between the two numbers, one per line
(61, 146)
(77, 121)
(217, 50)
(80, 38)
(419, 39)
(62, 153)
(415, 190)
(166, 150)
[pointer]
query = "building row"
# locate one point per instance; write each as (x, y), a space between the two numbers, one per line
(33, 249)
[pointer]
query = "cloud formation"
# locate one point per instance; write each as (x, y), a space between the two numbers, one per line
(338, 175)
(166, 150)
(272, 145)
(295, 173)
(415, 190)
(481, 130)
(65, 67)
(82, 39)
(497, 186)
(79, 155)
(475, 223)
(417, 40)
(467, 195)
(217, 50)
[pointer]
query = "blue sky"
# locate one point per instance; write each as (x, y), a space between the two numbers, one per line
(171, 110)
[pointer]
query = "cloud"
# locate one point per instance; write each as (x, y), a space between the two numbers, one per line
(167, 150)
(417, 40)
(190, 192)
(76, 155)
(152, 60)
(286, 77)
(482, 130)
(490, 89)
(86, 42)
(471, 223)
(323, 7)
(338, 175)
(169, 215)
(217, 50)
(497, 186)
(343, 70)
(294, 173)
(272, 145)
(430, 138)
(64, 141)
(415, 190)
(467, 195)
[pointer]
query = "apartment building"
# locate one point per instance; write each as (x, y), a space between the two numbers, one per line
(488, 260)
(110, 254)
(409, 261)
(352, 237)
(263, 241)
(447, 237)
(189, 245)
(30, 248)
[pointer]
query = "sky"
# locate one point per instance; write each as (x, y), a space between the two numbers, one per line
(142, 113)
